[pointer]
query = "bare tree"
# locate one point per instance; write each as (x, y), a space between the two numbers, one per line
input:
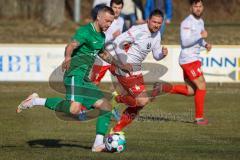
(53, 12)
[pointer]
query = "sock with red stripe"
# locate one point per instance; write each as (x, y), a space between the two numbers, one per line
(127, 117)
(199, 103)
(176, 89)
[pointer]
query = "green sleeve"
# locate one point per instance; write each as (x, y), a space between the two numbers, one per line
(80, 36)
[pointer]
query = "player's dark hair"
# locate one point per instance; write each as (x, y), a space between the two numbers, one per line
(118, 2)
(106, 9)
(156, 12)
(95, 10)
(195, 1)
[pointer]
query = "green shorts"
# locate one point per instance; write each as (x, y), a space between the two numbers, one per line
(79, 90)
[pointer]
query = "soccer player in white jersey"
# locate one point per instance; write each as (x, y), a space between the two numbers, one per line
(132, 48)
(192, 35)
(100, 67)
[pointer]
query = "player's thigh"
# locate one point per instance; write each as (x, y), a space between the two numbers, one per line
(134, 85)
(102, 104)
(120, 89)
(194, 75)
(191, 86)
(200, 82)
(91, 94)
(142, 99)
(192, 70)
(78, 90)
(98, 72)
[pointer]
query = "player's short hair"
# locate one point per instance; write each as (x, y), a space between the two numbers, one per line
(118, 2)
(156, 12)
(195, 1)
(106, 9)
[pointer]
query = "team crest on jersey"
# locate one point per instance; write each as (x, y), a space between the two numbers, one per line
(149, 45)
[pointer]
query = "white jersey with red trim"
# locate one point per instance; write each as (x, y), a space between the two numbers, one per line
(191, 39)
(141, 42)
(117, 25)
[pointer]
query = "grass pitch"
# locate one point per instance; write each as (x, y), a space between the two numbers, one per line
(161, 132)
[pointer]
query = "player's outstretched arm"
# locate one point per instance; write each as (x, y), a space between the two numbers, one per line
(106, 56)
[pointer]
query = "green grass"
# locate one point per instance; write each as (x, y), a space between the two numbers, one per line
(39, 134)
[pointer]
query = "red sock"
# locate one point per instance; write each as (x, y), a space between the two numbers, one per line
(127, 117)
(128, 100)
(176, 89)
(199, 103)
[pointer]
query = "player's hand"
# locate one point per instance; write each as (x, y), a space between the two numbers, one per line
(117, 33)
(208, 47)
(204, 34)
(66, 63)
(127, 68)
(164, 51)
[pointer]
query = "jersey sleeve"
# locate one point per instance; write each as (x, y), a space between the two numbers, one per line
(121, 24)
(157, 49)
(80, 36)
(188, 37)
(127, 37)
(203, 42)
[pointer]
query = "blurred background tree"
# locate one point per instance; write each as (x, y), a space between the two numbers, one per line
(53, 12)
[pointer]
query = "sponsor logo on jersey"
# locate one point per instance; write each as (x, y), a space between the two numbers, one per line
(149, 45)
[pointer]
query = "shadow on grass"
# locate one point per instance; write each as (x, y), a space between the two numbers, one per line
(143, 118)
(53, 143)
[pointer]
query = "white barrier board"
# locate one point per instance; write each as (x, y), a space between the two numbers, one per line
(37, 62)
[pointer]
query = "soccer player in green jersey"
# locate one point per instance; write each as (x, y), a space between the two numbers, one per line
(80, 53)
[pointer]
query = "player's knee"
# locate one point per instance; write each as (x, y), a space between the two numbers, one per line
(142, 101)
(201, 86)
(191, 92)
(103, 104)
(75, 108)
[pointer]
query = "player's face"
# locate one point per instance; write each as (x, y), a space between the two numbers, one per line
(197, 9)
(117, 8)
(105, 20)
(154, 23)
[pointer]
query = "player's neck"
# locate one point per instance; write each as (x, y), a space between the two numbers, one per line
(196, 17)
(96, 26)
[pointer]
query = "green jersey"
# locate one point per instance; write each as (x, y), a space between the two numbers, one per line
(91, 43)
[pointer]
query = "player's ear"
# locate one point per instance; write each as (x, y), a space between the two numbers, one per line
(98, 17)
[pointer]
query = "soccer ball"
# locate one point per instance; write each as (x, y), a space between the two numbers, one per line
(115, 143)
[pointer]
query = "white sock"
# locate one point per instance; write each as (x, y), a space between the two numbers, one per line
(39, 101)
(198, 119)
(98, 140)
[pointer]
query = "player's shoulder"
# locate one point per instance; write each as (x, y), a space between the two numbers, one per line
(120, 19)
(139, 28)
(201, 20)
(85, 28)
(187, 20)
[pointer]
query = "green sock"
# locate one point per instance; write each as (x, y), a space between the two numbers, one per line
(58, 104)
(103, 122)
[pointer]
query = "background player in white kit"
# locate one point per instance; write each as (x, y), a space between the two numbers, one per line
(100, 67)
(192, 35)
(140, 40)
